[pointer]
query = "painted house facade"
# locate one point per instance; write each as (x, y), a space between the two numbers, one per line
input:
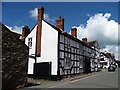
(52, 51)
(106, 59)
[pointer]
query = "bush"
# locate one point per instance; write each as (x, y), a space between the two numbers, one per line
(15, 59)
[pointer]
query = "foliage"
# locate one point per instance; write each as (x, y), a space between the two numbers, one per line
(15, 58)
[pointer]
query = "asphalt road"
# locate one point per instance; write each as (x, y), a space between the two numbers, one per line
(101, 80)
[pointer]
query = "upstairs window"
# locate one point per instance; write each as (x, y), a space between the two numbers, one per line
(30, 42)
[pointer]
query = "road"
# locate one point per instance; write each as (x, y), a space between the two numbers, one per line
(101, 80)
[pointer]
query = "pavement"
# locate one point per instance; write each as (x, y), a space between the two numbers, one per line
(102, 79)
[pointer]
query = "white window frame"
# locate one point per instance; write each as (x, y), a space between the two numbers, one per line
(30, 42)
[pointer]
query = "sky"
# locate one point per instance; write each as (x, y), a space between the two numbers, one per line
(94, 20)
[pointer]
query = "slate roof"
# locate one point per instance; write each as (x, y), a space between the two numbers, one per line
(70, 36)
(108, 55)
(92, 43)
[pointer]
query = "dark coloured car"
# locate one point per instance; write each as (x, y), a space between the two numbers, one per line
(111, 68)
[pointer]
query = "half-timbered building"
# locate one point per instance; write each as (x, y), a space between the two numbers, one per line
(52, 51)
(95, 63)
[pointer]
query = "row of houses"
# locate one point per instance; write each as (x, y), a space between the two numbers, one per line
(106, 59)
(54, 52)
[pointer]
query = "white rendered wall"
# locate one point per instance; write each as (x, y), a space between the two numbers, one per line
(49, 47)
(108, 61)
(31, 61)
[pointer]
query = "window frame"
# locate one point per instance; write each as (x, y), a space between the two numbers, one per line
(30, 42)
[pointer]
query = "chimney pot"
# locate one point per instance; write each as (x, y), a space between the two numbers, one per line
(74, 32)
(40, 13)
(60, 23)
(25, 32)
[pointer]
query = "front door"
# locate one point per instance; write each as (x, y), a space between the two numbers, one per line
(87, 65)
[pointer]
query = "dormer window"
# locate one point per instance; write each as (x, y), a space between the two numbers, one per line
(30, 42)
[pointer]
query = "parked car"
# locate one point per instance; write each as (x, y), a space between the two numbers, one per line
(111, 68)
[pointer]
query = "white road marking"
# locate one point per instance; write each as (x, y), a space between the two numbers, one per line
(76, 80)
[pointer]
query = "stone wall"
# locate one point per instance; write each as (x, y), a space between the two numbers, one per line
(14, 60)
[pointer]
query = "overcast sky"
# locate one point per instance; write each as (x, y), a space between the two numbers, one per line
(96, 21)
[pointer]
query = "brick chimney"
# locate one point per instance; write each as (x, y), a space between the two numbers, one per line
(60, 23)
(25, 32)
(84, 40)
(74, 32)
(39, 31)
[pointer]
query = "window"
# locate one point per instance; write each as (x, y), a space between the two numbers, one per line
(67, 63)
(62, 38)
(65, 40)
(30, 42)
(105, 63)
(61, 54)
(61, 46)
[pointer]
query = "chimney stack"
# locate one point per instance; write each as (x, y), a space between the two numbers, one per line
(84, 40)
(74, 32)
(25, 32)
(39, 31)
(60, 23)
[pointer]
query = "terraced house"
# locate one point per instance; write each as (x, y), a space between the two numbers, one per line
(54, 52)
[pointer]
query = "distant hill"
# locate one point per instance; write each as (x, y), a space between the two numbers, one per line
(15, 60)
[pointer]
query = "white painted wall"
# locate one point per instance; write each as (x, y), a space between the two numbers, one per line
(49, 47)
(107, 61)
(31, 61)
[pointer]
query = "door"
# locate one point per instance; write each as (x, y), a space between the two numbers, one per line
(87, 65)
(42, 69)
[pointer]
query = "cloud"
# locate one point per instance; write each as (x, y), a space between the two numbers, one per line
(34, 14)
(88, 15)
(101, 28)
(16, 29)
